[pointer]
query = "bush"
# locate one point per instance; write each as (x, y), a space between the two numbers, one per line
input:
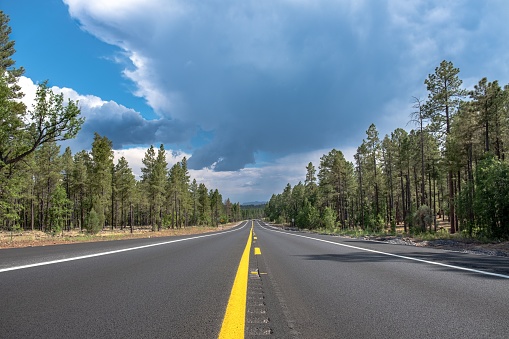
(59, 210)
(491, 201)
(329, 218)
(308, 216)
(92, 223)
(374, 223)
(422, 218)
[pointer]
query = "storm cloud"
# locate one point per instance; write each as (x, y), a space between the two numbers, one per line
(283, 77)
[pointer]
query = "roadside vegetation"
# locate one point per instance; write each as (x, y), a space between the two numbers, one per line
(447, 177)
(31, 238)
(60, 193)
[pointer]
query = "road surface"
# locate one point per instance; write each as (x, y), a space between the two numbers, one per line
(299, 285)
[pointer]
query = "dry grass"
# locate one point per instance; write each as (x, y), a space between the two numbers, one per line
(38, 238)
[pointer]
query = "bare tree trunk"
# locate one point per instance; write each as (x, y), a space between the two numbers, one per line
(452, 218)
(32, 217)
(131, 216)
(403, 200)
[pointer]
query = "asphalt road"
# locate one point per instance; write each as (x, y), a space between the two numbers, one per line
(174, 290)
(376, 290)
(300, 286)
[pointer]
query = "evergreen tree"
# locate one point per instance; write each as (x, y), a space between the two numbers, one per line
(216, 206)
(487, 101)
(59, 210)
(195, 203)
(47, 177)
(100, 176)
(67, 164)
(204, 209)
(124, 185)
(80, 185)
(154, 179)
(445, 94)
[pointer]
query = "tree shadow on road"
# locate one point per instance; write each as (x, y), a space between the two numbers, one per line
(495, 265)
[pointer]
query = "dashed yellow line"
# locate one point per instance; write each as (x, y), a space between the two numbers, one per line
(257, 251)
(234, 321)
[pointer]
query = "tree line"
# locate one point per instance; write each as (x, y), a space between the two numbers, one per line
(452, 167)
(42, 188)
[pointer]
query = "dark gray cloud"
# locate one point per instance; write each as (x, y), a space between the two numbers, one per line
(123, 126)
(282, 77)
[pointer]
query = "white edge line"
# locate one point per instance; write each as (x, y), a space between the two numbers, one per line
(14, 268)
(393, 255)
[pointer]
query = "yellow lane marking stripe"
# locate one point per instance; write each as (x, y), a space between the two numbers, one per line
(257, 251)
(234, 321)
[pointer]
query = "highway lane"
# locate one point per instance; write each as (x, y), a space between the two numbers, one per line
(175, 290)
(300, 285)
(332, 291)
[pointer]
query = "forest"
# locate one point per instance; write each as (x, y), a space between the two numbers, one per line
(42, 188)
(450, 169)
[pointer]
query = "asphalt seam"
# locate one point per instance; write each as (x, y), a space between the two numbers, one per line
(291, 323)
(257, 318)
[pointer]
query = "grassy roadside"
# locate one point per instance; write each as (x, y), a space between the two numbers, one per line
(442, 239)
(38, 238)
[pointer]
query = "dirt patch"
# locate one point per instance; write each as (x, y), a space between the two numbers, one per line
(38, 238)
(496, 248)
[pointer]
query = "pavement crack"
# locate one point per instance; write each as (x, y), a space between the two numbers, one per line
(257, 320)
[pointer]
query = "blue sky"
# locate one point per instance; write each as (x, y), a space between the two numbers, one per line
(250, 91)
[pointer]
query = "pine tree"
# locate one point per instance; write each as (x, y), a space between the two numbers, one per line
(80, 185)
(445, 94)
(204, 209)
(124, 185)
(195, 203)
(487, 100)
(100, 176)
(419, 118)
(59, 210)
(154, 179)
(216, 204)
(336, 181)
(47, 177)
(67, 164)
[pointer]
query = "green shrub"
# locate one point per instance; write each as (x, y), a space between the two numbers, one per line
(329, 218)
(92, 222)
(491, 201)
(422, 218)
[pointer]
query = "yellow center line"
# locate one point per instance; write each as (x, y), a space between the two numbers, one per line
(234, 321)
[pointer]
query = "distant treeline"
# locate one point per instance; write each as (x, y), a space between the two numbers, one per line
(452, 166)
(253, 211)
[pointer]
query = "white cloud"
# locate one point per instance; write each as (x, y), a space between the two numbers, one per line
(29, 90)
(259, 183)
(124, 126)
(135, 155)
